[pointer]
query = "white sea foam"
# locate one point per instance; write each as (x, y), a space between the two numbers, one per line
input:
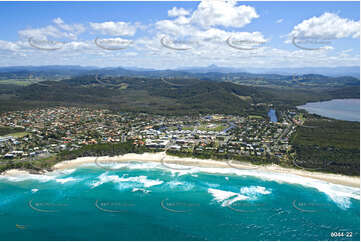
(140, 190)
(173, 184)
(246, 193)
(184, 186)
(26, 176)
(254, 191)
(20, 176)
(105, 178)
(226, 197)
(67, 171)
(65, 180)
(338, 193)
(34, 190)
(142, 179)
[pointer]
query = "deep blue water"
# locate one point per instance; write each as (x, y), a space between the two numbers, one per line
(272, 115)
(342, 109)
(148, 202)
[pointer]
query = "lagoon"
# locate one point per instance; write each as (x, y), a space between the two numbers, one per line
(341, 109)
(272, 115)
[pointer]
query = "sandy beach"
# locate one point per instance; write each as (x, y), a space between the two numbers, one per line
(166, 159)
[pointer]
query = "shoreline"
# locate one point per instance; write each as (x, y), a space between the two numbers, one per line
(168, 160)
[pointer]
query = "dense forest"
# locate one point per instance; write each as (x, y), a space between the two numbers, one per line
(328, 145)
(166, 95)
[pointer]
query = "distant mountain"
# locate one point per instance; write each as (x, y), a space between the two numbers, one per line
(211, 68)
(46, 68)
(353, 71)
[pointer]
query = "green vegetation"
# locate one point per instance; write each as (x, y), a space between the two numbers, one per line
(328, 145)
(87, 150)
(154, 95)
(255, 117)
(10, 131)
(31, 165)
(18, 134)
(102, 150)
(226, 156)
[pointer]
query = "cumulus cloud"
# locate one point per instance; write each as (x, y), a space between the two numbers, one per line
(327, 26)
(41, 33)
(223, 13)
(8, 45)
(205, 32)
(59, 30)
(74, 28)
(114, 28)
(175, 12)
(204, 22)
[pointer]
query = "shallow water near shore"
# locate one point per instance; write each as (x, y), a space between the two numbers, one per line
(145, 202)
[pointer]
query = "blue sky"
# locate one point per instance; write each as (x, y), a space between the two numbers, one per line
(176, 34)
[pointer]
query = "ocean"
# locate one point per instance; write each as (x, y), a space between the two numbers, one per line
(342, 109)
(148, 201)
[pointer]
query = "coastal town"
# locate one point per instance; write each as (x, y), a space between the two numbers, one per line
(46, 132)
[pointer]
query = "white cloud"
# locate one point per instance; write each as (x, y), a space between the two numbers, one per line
(41, 33)
(279, 20)
(328, 26)
(204, 30)
(60, 30)
(203, 23)
(175, 12)
(75, 28)
(7, 45)
(223, 13)
(114, 28)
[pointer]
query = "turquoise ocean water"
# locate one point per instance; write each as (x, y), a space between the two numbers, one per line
(146, 201)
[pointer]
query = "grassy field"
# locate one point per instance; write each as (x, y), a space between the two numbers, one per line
(5, 131)
(18, 82)
(207, 127)
(255, 117)
(216, 128)
(18, 134)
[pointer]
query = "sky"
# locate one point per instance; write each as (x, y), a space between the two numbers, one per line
(169, 35)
